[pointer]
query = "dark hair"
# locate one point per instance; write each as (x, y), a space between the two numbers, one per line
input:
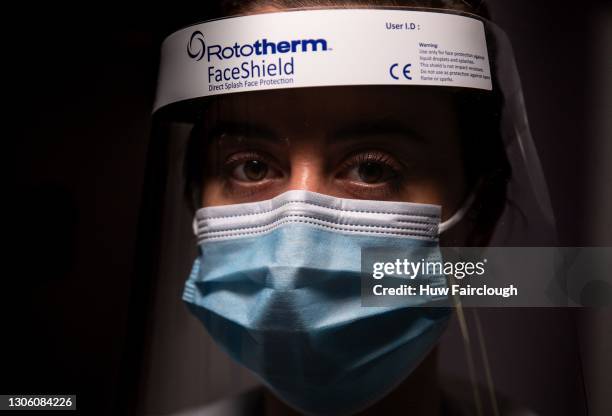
(479, 115)
(173, 20)
(472, 6)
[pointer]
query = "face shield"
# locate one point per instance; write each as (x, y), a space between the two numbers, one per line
(455, 95)
(287, 143)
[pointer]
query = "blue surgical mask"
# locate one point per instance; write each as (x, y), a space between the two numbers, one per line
(277, 284)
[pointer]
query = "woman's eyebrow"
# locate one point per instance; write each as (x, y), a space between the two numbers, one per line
(382, 127)
(231, 128)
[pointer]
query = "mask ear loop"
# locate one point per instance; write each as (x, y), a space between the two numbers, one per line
(194, 226)
(459, 214)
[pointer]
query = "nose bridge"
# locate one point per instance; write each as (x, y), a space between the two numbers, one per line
(307, 162)
(305, 176)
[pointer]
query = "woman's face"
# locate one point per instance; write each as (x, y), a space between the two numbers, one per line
(374, 142)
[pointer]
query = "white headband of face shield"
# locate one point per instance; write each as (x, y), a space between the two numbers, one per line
(315, 48)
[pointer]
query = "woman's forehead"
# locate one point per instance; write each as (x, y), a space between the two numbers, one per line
(334, 107)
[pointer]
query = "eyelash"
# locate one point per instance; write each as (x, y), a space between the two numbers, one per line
(245, 156)
(383, 190)
(382, 158)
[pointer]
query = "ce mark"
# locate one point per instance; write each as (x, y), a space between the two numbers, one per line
(405, 71)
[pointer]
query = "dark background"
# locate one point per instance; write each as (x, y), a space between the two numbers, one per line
(80, 91)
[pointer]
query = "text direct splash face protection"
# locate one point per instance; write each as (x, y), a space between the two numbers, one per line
(277, 285)
(276, 280)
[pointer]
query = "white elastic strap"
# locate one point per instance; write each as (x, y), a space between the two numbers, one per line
(194, 225)
(457, 216)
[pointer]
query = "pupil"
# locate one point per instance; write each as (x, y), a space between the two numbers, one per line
(254, 170)
(370, 172)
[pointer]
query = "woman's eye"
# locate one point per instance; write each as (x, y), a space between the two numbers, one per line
(251, 171)
(370, 172)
